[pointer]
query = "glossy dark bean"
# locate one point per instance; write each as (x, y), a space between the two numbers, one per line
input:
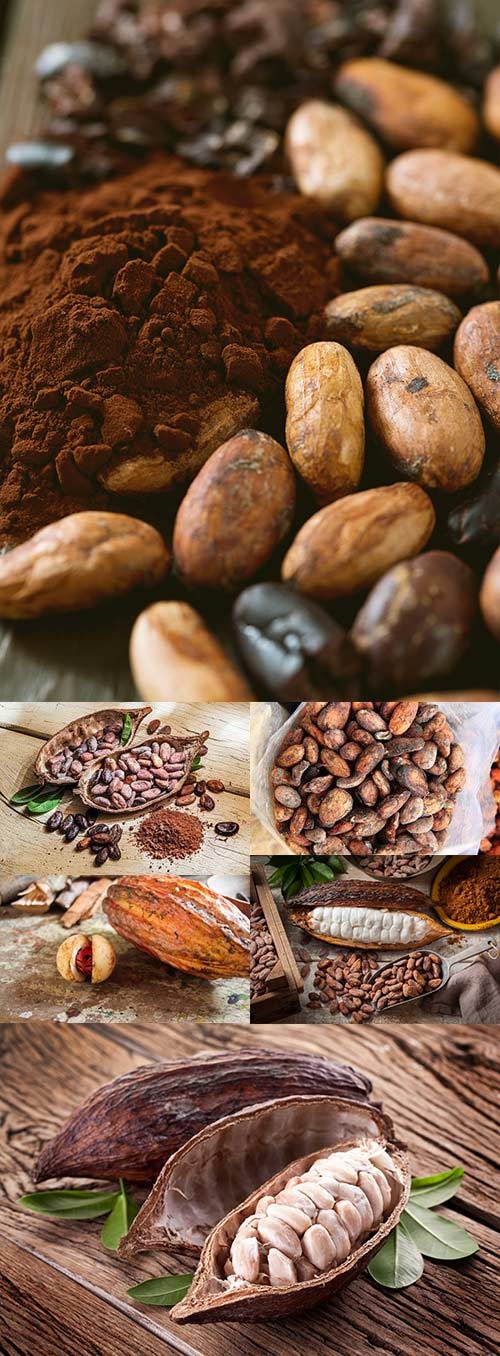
(101, 856)
(71, 833)
(67, 823)
(54, 822)
(227, 828)
(476, 522)
(291, 646)
(207, 802)
(114, 852)
(81, 821)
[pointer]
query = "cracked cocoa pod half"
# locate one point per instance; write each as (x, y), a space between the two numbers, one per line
(390, 927)
(125, 781)
(86, 740)
(130, 1126)
(182, 923)
(306, 1233)
(208, 1176)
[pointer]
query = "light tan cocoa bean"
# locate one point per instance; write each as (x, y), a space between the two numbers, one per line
(426, 417)
(349, 544)
(406, 107)
(325, 430)
(288, 796)
(172, 650)
(443, 188)
(409, 252)
(79, 562)
(235, 513)
(294, 753)
(378, 317)
(334, 160)
(491, 103)
(476, 355)
(334, 806)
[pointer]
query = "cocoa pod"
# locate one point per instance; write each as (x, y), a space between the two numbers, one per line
(235, 513)
(443, 188)
(325, 431)
(172, 650)
(426, 418)
(91, 726)
(407, 108)
(351, 891)
(130, 1126)
(476, 355)
(182, 923)
(209, 1301)
(365, 927)
(92, 791)
(383, 251)
(334, 160)
(326, 561)
(80, 561)
(396, 627)
(376, 318)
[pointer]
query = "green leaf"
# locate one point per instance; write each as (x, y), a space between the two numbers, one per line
(126, 728)
(398, 1263)
(320, 871)
(26, 793)
(306, 874)
(196, 763)
(436, 1236)
(162, 1290)
(119, 1221)
(70, 1204)
(337, 865)
(290, 874)
(288, 891)
(276, 876)
(51, 802)
(434, 1190)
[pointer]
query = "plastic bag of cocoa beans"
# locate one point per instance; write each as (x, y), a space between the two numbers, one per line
(462, 814)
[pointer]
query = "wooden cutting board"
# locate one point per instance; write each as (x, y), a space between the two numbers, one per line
(61, 1294)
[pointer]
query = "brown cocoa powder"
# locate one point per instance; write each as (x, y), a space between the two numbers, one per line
(134, 315)
(171, 834)
(470, 893)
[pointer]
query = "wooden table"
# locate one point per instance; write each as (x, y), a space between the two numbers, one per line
(62, 1295)
(24, 846)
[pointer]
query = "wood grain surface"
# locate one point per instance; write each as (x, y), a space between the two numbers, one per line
(25, 846)
(61, 1294)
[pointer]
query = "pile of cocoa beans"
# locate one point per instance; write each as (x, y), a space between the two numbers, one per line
(263, 956)
(139, 775)
(367, 777)
(72, 759)
(347, 982)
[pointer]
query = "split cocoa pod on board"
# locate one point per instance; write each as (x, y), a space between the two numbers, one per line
(130, 1126)
(216, 1169)
(181, 922)
(235, 513)
(308, 1230)
(172, 650)
(366, 918)
(80, 561)
(159, 766)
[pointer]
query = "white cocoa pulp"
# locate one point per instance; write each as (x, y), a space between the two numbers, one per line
(378, 927)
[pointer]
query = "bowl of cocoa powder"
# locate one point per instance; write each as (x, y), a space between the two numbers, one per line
(466, 892)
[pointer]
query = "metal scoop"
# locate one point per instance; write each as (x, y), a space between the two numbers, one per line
(491, 948)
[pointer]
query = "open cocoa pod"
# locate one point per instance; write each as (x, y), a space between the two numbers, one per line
(369, 928)
(54, 764)
(99, 786)
(207, 1178)
(130, 1126)
(182, 923)
(304, 1234)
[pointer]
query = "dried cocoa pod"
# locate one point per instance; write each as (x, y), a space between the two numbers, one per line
(181, 922)
(476, 355)
(378, 317)
(80, 730)
(323, 1269)
(351, 891)
(130, 1126)
(407, 108)
(325, 430)
(397, 251)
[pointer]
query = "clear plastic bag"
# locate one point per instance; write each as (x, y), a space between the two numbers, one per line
(476, 726)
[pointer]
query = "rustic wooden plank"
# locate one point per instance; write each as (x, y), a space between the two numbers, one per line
(24, 727)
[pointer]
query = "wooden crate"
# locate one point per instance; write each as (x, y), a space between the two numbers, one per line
(284, 982)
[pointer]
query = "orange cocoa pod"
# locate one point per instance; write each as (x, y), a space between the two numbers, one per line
(183, 923)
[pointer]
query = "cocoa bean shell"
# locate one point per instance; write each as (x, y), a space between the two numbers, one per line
(130, 1126)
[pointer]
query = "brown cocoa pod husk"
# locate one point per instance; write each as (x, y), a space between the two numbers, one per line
(80, 730)
(208, 1301)
(192, 745)
(122, 1129)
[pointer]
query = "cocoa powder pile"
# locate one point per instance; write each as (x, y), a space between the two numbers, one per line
(142, 323)
(170, 834)
(471, 891)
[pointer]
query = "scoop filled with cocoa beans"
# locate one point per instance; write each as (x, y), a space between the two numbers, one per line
(367, 778)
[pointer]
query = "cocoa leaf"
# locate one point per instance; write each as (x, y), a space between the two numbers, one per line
(436, 1189)
(436, 1236)
(70, 1205)
(399, 1262)
(127, 728)
(118, 1222)
(162, 1290)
